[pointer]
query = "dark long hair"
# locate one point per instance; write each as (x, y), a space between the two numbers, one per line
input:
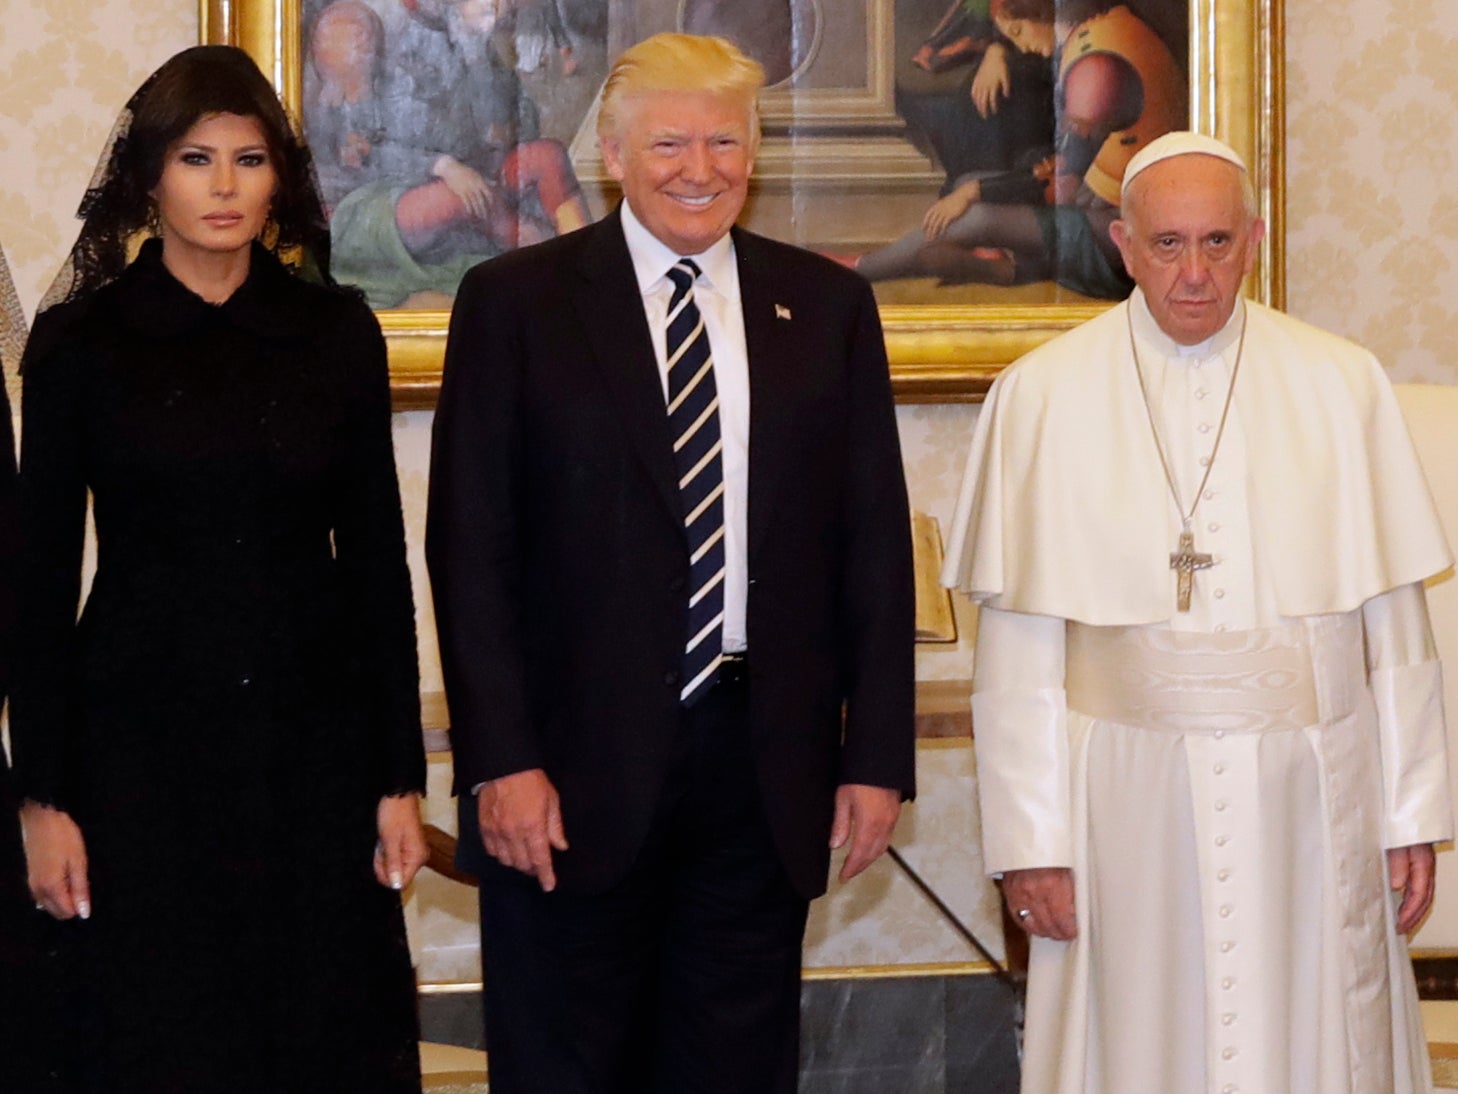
(192, 85)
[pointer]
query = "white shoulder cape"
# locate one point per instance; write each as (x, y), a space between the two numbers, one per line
(1064, 509)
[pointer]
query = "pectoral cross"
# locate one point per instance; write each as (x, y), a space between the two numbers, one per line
(1185, 562)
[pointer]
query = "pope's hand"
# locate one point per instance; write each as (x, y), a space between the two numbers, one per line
(1046, 895)
(1412, 871)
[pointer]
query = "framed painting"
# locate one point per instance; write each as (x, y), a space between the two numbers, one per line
(963, 154)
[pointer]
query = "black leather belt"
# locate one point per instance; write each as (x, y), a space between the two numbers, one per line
(734, 671)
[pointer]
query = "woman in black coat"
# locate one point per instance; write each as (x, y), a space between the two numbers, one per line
(220, 762)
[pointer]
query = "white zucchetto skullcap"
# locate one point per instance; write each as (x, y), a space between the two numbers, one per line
(1178, 143)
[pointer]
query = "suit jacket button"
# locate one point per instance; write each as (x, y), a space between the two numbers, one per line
(671, 678)
(677, 585)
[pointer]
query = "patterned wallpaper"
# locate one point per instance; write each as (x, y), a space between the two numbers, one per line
(66, 67)
(1372, 247)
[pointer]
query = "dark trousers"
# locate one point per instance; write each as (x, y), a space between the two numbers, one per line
(684, 977)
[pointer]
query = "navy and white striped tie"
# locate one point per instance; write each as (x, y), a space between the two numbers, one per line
(693, 421)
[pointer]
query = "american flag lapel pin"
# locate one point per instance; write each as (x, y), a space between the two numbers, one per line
(781, 312)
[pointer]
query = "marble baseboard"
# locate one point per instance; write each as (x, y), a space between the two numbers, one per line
(909, 1034)
(452, 1018)
(918, 1035)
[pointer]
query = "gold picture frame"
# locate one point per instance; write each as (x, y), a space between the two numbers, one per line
(939, 353)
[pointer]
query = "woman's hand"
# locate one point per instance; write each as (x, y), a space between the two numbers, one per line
(401, 850)
(55, 854)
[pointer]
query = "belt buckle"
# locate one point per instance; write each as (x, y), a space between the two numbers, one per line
(734, 670)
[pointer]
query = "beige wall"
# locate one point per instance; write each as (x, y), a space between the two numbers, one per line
(66, 67)
(1372, 253)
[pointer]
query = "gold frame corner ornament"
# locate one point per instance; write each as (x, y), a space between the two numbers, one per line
(939, 353)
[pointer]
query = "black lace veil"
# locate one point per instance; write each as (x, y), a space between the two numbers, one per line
(118, 212)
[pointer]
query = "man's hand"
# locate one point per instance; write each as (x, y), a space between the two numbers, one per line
(1046, 894)
(56, 857)
(401, 850)
(521, 822)
(1412, 871)
(866, 816)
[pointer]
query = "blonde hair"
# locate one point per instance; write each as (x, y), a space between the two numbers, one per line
(679, 62)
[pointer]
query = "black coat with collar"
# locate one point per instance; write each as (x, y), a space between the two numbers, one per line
(241, 688)
(251, 549)
(559, 561)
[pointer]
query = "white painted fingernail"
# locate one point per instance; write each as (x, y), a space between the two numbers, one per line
(83, 909)
(397, 880)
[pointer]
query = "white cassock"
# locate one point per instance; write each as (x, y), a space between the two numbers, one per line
(1221, 781)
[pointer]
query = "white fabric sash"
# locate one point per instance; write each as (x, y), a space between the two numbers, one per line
(1255, 681)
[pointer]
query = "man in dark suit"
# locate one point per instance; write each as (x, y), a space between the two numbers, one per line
(670, 553)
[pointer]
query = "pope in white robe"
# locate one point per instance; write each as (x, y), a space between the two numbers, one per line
(1213, 810)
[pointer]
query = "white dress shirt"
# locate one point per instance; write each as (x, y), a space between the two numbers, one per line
(717, 294)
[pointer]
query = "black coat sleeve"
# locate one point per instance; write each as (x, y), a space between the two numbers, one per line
(52, 508)
(878, 595)
(473, 539)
